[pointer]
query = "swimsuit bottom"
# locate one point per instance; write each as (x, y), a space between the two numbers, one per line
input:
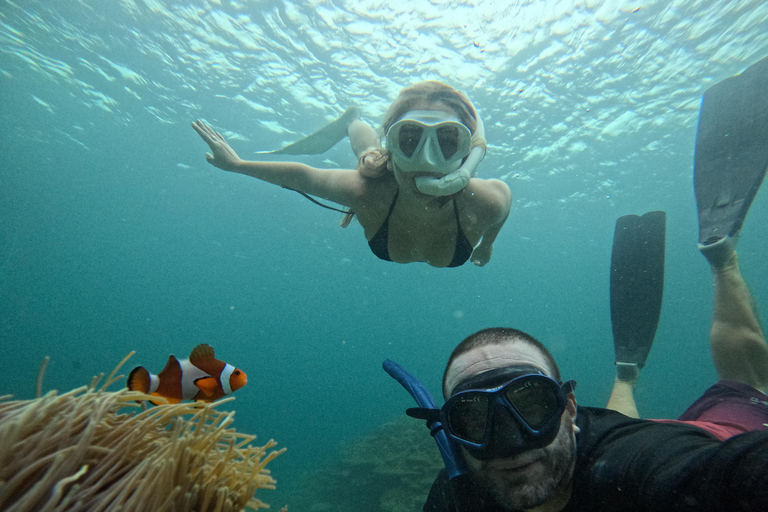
(726, 409)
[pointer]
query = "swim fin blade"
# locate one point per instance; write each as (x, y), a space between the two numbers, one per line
(637, 284)
(322, 140)
(731, 155)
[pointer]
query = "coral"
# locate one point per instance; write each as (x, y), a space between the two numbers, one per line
(389, 470)
(95, 450)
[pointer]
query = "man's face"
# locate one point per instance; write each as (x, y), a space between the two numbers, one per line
(536, 476)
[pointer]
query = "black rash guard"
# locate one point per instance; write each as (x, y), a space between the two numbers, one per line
(628, 465)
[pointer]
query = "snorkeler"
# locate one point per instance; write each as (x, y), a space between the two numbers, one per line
(416, 198)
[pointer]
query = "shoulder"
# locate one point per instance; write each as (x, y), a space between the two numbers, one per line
(487, 197)
(492, 186)
(373, 199)
(603, 426)
(361, 187)
(602, 431)
(624, 460)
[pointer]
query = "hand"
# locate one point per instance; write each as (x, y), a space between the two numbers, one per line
(223, 157)
(482, 254)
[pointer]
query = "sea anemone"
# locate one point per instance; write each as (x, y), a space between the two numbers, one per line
(96, 450)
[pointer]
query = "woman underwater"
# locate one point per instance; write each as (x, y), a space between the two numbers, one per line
(416, 198)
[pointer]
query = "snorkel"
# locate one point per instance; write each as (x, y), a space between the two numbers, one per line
(428, 156)
(458, 179)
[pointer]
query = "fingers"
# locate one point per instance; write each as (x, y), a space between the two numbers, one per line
(206, 132)
(202, 130)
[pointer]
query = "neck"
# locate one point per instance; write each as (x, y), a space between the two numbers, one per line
(411, 198)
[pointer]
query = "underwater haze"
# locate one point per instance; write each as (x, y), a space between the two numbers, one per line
(116, 235)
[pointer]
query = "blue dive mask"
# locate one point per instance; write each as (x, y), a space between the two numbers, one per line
(503, 412)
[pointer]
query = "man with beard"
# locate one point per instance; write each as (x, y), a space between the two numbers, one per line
(528, 446)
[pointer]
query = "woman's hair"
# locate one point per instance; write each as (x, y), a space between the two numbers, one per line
(423, 94)
(500, 336)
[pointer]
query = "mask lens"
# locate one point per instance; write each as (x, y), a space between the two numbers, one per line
(448, 137)
(534, 399)
(468, 417)
(409, 137)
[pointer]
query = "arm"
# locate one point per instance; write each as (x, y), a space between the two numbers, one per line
(341, 186)
(660, 466)
(497, 201)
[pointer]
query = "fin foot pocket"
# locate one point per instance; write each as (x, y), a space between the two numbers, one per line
(719, 251)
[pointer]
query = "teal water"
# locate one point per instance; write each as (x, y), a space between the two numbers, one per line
(116, 235)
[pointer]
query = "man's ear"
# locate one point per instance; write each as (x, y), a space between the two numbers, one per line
(570, 406)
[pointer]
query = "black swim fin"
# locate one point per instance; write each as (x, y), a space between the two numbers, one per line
(637, 286)
(731, 157)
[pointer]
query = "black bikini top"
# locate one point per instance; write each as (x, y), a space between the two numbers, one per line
(379, 244)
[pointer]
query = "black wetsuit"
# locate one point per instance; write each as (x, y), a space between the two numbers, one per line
(379, 244)
(626, 465)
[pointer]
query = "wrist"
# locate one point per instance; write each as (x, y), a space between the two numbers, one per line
(233, 165)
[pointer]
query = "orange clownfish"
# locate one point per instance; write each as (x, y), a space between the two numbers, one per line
(201, 377)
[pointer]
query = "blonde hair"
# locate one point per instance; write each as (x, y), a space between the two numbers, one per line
(375, 162)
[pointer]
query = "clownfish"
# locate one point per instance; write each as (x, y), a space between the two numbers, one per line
(201, 377)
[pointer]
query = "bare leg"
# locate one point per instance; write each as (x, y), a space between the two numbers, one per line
(738, 345)
(622, 396)
(362, 137)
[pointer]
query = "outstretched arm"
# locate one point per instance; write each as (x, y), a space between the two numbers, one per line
(341, 186)
(661, 466)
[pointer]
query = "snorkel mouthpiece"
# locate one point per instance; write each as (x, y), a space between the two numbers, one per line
(453, 182)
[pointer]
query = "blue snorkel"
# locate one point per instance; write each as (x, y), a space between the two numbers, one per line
(454, 464)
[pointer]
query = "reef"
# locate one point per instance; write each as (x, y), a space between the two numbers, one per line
(389, 470)
(95, 450)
